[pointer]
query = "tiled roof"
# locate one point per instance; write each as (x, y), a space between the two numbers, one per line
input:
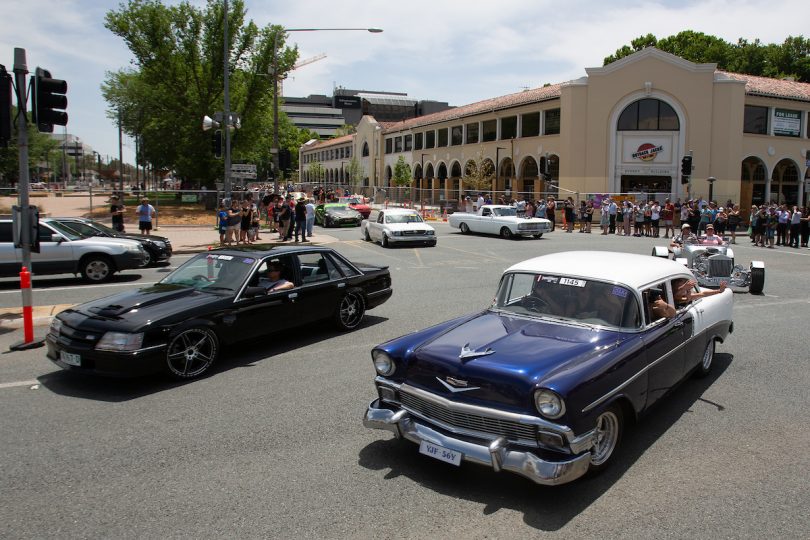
(779, 88)
(535, 95)
(331, 142)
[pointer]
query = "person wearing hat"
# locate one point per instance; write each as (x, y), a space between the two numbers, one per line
(711, 238)
(117, 212)
(686, 237)
(301, 219)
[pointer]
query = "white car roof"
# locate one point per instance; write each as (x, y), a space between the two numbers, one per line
(627, 268)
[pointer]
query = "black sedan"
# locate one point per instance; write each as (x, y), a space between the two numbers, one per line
(157, 248)
(337, 215)
(180, 324)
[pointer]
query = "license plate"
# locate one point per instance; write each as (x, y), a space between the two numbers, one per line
(70, 359)
(440, 453)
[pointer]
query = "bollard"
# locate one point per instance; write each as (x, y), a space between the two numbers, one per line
(28, 341)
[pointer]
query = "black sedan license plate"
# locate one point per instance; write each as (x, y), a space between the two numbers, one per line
(70, 359)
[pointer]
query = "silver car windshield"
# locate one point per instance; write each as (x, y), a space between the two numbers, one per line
(212, 272)
(403, 218)
(504, 212)
(561, 297)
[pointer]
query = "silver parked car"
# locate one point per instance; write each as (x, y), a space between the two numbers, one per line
(64, 251)
(713, 263)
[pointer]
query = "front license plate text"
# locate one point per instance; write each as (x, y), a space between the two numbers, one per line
(70, 359)
(440, 453)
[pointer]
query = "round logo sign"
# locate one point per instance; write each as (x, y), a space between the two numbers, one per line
(647, 151)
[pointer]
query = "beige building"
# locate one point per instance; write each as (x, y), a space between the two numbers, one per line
(623, 128)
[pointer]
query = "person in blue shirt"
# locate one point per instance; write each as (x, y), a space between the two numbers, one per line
(222, 218)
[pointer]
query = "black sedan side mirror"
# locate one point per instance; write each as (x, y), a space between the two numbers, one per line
(252, 292)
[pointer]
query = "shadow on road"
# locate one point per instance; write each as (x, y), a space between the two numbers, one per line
(116, 390)
(544, 508)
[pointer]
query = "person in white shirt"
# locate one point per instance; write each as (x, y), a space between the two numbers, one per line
(795, 227)
(479, 203)
(310, 217)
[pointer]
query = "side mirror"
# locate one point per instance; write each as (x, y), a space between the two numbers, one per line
(253, 292)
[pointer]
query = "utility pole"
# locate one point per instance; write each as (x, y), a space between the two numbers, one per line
(20, 71)
(227, 115)
(120, 155)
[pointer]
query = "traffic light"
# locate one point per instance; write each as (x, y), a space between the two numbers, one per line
(5, 107)
(216, 143)
(47, 100)
(284, 163)
(686, 166)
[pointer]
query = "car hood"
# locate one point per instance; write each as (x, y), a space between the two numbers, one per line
(137, 309)
(342, 213)
(139, 238)
(524, 353)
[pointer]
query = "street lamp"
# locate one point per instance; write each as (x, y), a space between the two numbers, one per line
(274, 149)
(711, 181)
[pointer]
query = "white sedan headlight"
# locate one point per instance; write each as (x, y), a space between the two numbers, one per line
(383, 363)
(396, 233)
(549, 404)
(120, 341)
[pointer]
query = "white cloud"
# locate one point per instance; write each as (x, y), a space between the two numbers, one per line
(458, 51)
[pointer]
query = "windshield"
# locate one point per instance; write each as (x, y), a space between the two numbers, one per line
(553, 296)
(103, 228)
(403, 218)
(505, 211)
(212, 272)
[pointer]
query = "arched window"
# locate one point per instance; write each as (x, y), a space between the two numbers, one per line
(648, 114)
(365, 149)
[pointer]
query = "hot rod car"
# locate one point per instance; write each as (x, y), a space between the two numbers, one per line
(713, 263)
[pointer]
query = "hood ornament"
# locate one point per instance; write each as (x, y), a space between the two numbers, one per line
(457, 385)
(468, 354)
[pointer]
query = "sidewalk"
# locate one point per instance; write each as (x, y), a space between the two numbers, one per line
(193, 239)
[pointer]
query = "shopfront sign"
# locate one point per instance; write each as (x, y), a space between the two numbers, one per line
(787, 123)
(647, 151)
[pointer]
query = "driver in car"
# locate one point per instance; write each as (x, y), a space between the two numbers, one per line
(274, 281)
(686, 237)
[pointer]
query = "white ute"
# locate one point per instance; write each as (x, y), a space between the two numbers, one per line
(501, 220)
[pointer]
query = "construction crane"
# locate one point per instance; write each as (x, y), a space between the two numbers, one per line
(298, 65)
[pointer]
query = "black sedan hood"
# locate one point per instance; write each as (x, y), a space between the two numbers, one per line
(142, 307)
(150, 237)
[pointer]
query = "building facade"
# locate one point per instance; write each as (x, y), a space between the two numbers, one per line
(622, 129)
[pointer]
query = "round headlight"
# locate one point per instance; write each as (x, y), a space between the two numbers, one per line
(549, 404)
(383, 363)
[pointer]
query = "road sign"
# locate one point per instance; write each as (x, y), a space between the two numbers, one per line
(243, 168)
(245, 175)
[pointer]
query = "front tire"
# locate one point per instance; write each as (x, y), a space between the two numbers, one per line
(97, 269)
(191, 352)
(464, 228)
(384, 241)
(351, 311)
(147, 260)
(538, 235)
(706, 362)
(506, 233)
(367, 236)
(609, 430)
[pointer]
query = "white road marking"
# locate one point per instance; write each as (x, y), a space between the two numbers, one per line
(18, 383)
(85, 287)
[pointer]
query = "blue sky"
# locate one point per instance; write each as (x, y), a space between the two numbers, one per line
(459, 51)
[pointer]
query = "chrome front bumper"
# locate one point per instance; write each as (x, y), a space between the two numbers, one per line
(496, 454)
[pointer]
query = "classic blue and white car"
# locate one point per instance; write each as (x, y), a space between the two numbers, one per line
(543, 382)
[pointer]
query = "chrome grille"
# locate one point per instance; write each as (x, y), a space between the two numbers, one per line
(413, 233)
(514, 431)
(720, 266)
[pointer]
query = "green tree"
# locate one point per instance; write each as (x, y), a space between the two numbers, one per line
(479, 173)
(402, 173)
(177, 78)
(345, 129)
(790, 59)
(355, 172)
(315, 171)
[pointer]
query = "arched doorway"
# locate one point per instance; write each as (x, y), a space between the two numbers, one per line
(455, 181)
(441, 174)
(785, 183)
(388, 175)
(506, 177)
(528, 178)
(752, 183)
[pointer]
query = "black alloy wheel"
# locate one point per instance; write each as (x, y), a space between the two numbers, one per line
(191, 352)
(350, 311)
(506, 233)
(147, 260)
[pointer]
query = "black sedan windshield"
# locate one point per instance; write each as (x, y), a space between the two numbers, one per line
(560, 297)
(212, 272)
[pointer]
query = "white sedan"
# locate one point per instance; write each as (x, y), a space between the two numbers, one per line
(501, 220)
(397, 225)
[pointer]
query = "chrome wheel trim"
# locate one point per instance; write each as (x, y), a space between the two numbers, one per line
(606, 436)
(146, 260)
(97, 270)
(351, 310)
(191, 352)
(708, 356)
